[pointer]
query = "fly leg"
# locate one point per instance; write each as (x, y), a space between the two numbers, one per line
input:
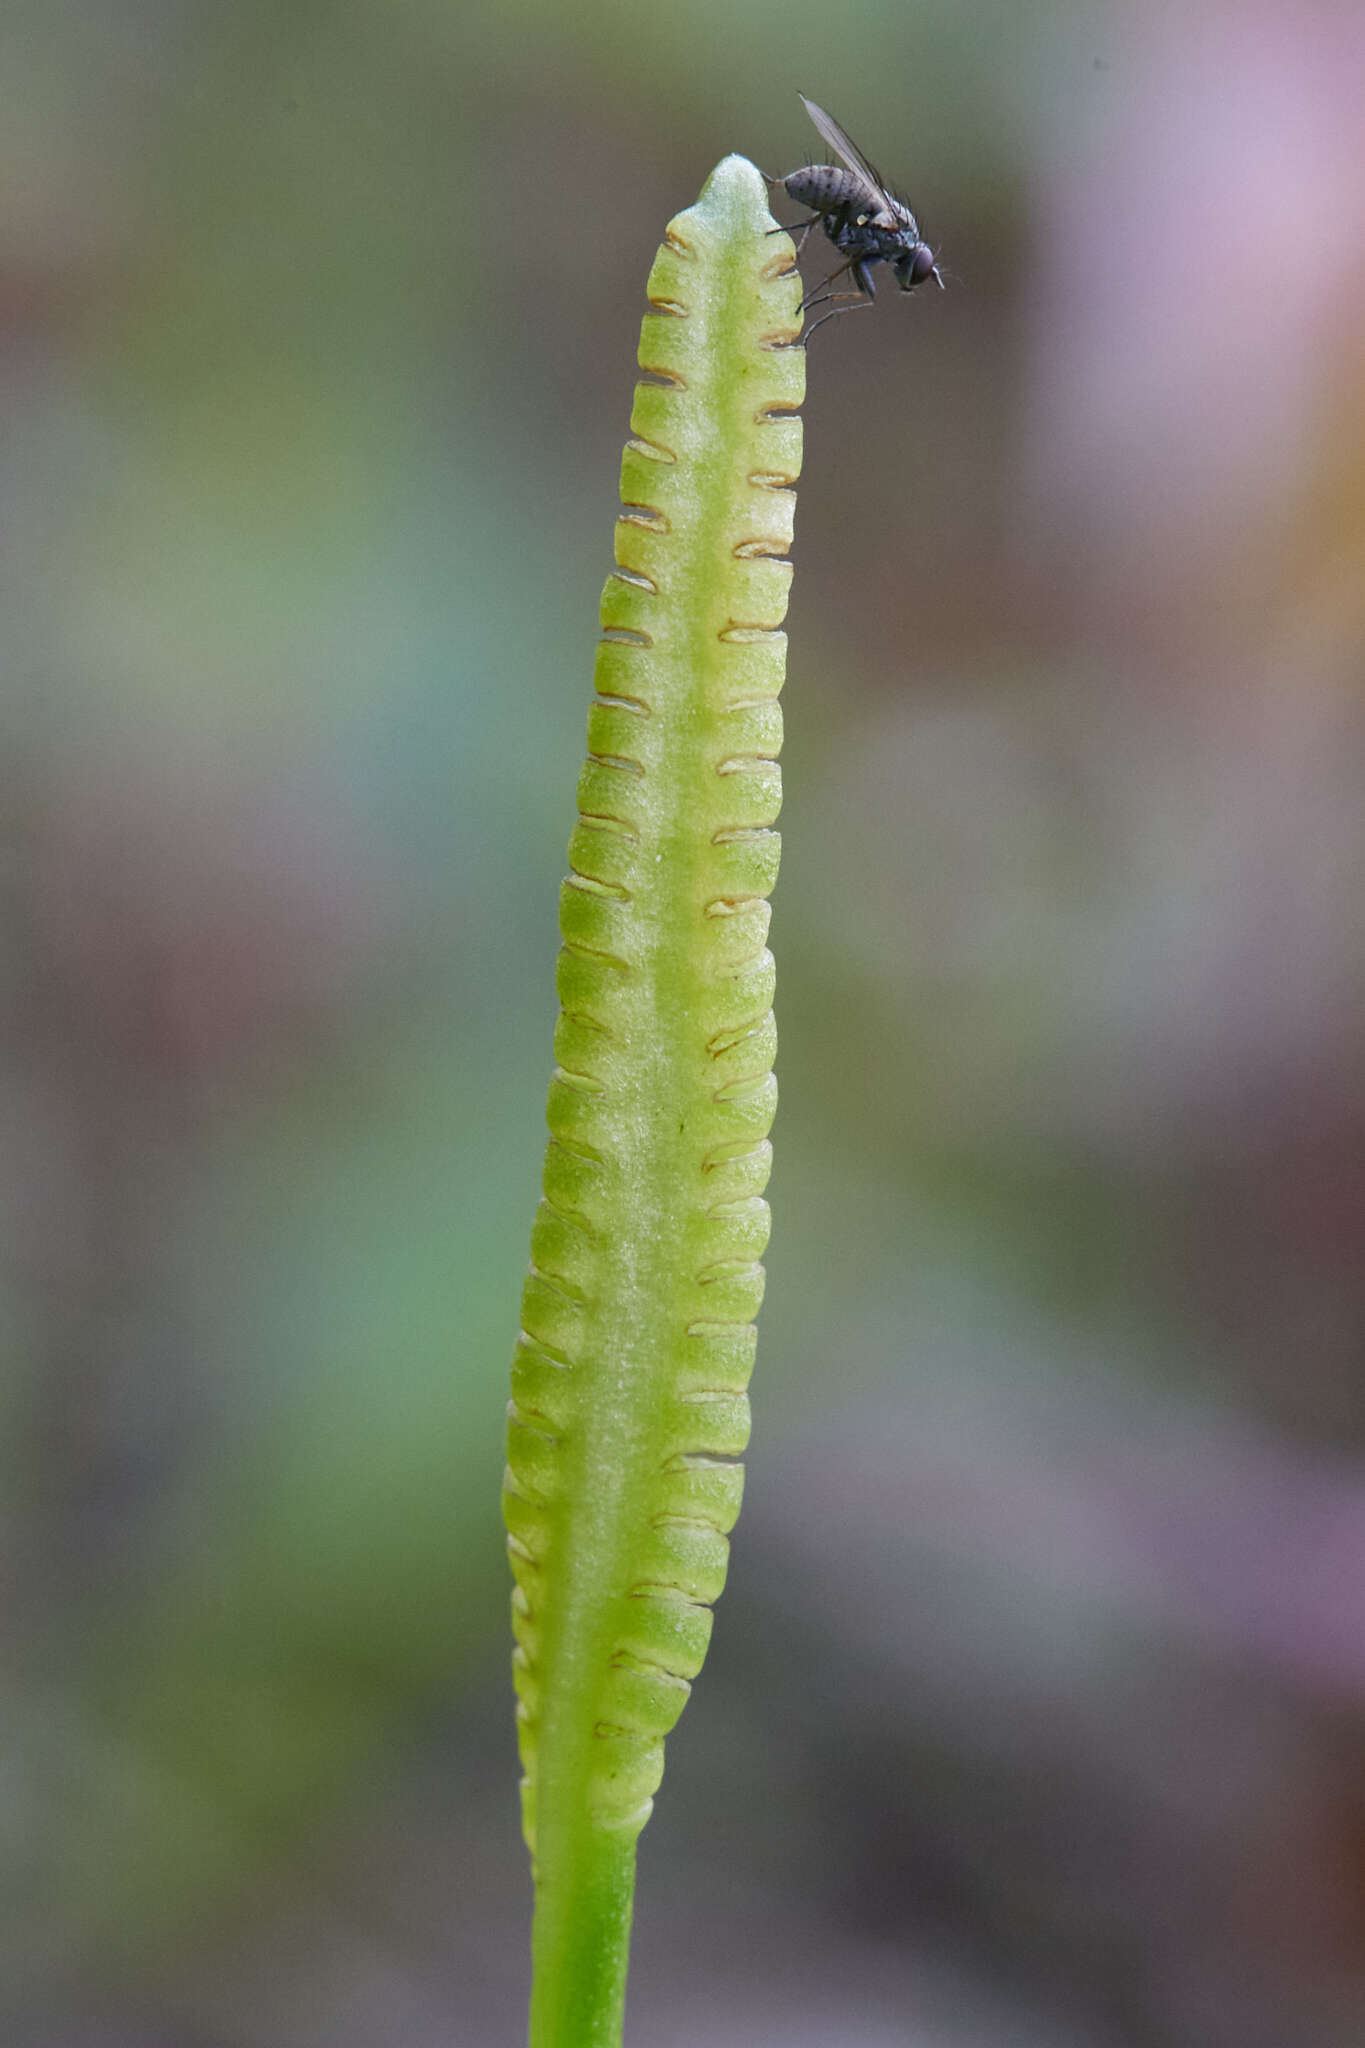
(849, 302)
(798, 227)
(820, 294)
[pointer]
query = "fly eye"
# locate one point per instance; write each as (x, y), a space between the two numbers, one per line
(921, 264)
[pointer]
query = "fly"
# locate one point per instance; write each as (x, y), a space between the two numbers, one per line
(866, 222)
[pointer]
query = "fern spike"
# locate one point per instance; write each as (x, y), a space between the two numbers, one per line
(629, 1408)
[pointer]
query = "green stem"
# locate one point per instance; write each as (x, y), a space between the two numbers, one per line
(629, 1406)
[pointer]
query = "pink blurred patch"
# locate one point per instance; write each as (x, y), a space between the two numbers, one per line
(1198, 275)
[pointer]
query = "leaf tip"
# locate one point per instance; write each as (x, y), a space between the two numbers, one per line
(737, 193)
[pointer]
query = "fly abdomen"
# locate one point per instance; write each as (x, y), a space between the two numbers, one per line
(827, 188)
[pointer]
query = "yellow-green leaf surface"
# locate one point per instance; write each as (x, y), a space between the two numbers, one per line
(629, 1406)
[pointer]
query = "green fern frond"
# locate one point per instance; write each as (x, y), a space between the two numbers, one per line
(629, 1406)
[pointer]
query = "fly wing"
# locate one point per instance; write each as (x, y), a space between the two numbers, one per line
(848, 152)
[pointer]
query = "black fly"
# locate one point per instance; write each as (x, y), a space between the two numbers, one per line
(866, 223)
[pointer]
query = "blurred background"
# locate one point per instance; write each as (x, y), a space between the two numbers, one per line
(1035, 1715)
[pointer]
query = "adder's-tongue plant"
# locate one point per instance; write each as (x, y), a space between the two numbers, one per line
(629, 1409)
